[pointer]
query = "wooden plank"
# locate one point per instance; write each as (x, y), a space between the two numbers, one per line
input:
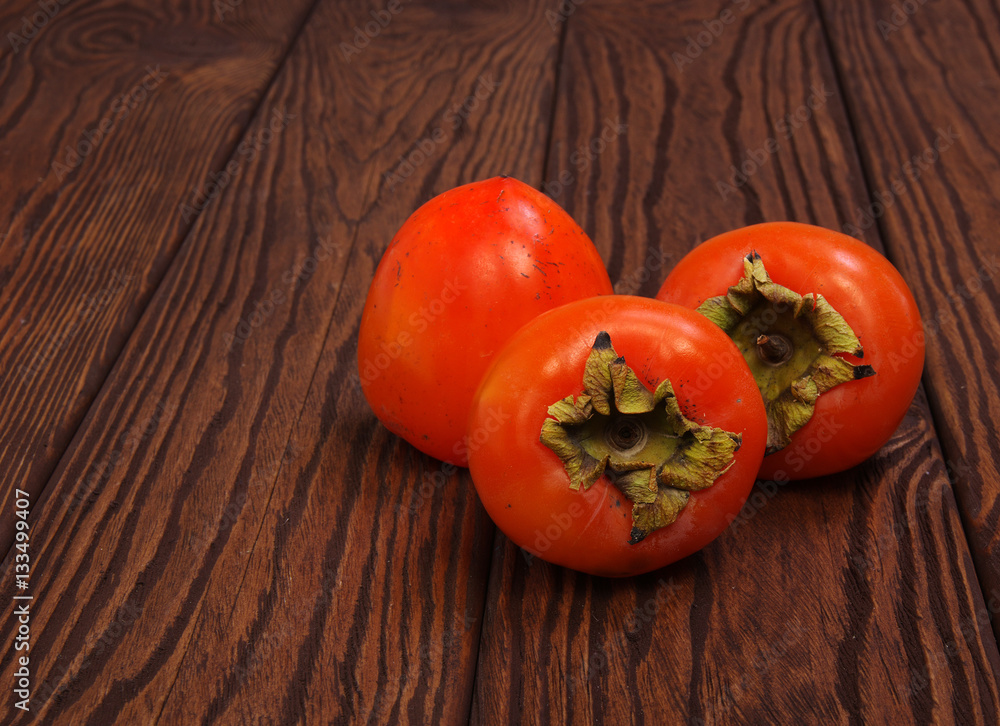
(934, 166)
(114, 115)
(269, 552)
(850, 599)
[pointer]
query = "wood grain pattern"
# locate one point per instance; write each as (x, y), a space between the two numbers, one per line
(232, 537)
(257, 557)
(850, 599)
(113, 116)
(934, 167)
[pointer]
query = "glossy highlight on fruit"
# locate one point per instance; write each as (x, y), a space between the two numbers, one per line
(830, 329)
(464, 272)
(661, 433)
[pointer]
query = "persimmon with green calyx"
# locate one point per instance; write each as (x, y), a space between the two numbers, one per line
(601, 448)
(462, 274)
(827, 325)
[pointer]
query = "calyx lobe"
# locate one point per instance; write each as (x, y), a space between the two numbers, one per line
(793, 344)
(639, 438)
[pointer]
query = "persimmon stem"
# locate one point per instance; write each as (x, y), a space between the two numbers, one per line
(795, 346)
(639, 439)
(774, 349)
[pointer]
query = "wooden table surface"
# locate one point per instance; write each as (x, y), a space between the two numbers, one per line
(193, 198)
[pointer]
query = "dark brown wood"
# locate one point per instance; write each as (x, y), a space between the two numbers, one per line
(850, 599)
(222, 532)
(113, 118)
(268, 551)
(933, 164)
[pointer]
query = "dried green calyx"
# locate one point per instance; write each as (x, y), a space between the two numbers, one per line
(638, 438)
(792, 344)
